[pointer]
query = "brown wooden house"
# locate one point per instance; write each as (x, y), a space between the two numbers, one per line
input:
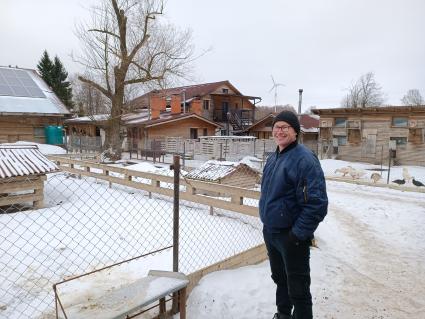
(368, 134)
(218, 102)
(27, 105)
(262, 129)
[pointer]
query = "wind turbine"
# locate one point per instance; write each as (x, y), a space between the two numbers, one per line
(274, 87)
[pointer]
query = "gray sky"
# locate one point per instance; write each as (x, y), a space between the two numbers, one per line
(321, 46)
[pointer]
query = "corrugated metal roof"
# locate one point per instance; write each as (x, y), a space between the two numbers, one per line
(213, 171)
(23, 160)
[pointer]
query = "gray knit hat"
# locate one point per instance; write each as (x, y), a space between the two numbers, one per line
(290, 118)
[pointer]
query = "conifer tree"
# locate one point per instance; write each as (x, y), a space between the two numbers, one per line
(45, 67)
(55, 75)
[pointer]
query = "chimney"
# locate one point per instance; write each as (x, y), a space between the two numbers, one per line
(176, 104)
(300, 91)
(155, 106)
(162, 103)
(196, 107)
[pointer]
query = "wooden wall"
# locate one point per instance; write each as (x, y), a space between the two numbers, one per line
(22, 128)
(181, 128)
(381, 130)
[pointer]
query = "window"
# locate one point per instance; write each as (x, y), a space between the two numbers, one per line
(399, 140)
(340, 121)
(205, 133)
(206, 105)
(400, 121)
(225, 91)
(342, 140)
(193, 133)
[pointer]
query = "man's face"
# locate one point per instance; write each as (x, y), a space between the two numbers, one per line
(283, 134)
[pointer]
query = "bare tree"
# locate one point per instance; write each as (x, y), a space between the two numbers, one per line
(413, 97)
(127, 44)
(365, 92)
(88, 100)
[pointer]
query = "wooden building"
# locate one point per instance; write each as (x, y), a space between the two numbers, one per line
(27, 105)
(218, 102)
(262, 129)
(144, 127)
(368, 134)
(226, 173)
(23, 170)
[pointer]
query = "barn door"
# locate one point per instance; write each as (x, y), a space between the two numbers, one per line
(369, 146)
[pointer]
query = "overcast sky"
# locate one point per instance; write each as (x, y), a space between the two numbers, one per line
(321, 46)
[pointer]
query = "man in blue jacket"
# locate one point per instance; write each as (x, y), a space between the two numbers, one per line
(293, 202)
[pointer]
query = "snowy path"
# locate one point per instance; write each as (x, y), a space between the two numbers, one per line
(369, 263)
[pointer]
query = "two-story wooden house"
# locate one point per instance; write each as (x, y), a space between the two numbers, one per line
(368, 134)
(218, 102)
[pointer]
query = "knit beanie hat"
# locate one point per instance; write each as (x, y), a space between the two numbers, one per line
(290, 118)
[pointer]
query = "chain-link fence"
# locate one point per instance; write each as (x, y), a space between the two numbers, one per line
(89, 215)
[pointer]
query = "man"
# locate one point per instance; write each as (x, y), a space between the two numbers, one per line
(293, 202)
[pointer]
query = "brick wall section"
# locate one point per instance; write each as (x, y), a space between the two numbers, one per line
(175, 104)
(196, 107)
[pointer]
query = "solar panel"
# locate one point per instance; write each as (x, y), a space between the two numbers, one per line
(18, 83)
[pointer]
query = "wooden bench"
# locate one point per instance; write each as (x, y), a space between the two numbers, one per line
(128, 301)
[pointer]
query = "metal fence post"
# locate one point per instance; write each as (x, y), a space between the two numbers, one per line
(176, 167)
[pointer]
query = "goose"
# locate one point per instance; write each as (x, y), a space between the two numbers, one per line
(406, 175)
(343, 170)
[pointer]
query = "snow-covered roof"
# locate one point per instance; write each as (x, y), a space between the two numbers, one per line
(23, 160)
(89, 119)
(24, 91)
(213, 171)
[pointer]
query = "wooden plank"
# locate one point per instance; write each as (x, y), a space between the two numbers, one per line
(251, 256)
(20, 186)
(17, 199)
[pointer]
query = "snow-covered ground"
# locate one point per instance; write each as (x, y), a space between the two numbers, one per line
(369, 264)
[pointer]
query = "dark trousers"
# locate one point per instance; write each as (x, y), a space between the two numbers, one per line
(290, 266)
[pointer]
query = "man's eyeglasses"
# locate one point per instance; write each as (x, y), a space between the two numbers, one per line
(283, 128)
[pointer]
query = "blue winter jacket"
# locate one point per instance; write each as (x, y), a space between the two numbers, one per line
(293, 192)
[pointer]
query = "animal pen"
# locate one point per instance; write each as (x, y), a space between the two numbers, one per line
(23, 172)
(96, 215)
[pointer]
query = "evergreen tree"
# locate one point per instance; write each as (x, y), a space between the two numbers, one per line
(55, 75)
(45, 67)
(60, 85)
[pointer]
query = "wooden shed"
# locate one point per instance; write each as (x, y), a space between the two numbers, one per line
(227, 173)
(23, 170)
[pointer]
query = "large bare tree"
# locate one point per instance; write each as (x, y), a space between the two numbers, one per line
(413, 97)
(365, 92)
(125, 44)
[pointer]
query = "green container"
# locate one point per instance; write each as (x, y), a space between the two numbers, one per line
(54, 134)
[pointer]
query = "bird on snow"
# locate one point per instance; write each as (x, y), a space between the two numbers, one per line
(406, 175)
(356, 174)
(343, 170)
(417, 183)
(399, 181)
(375, 177)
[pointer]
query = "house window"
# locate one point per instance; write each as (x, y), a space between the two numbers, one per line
(399, 140)
(193, 133)
(225, 91)
(342, 140)
(340, 121)
(400, 122)
(39, 134)
(206, 105)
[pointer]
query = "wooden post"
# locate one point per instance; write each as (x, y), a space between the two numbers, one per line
(182, 303)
